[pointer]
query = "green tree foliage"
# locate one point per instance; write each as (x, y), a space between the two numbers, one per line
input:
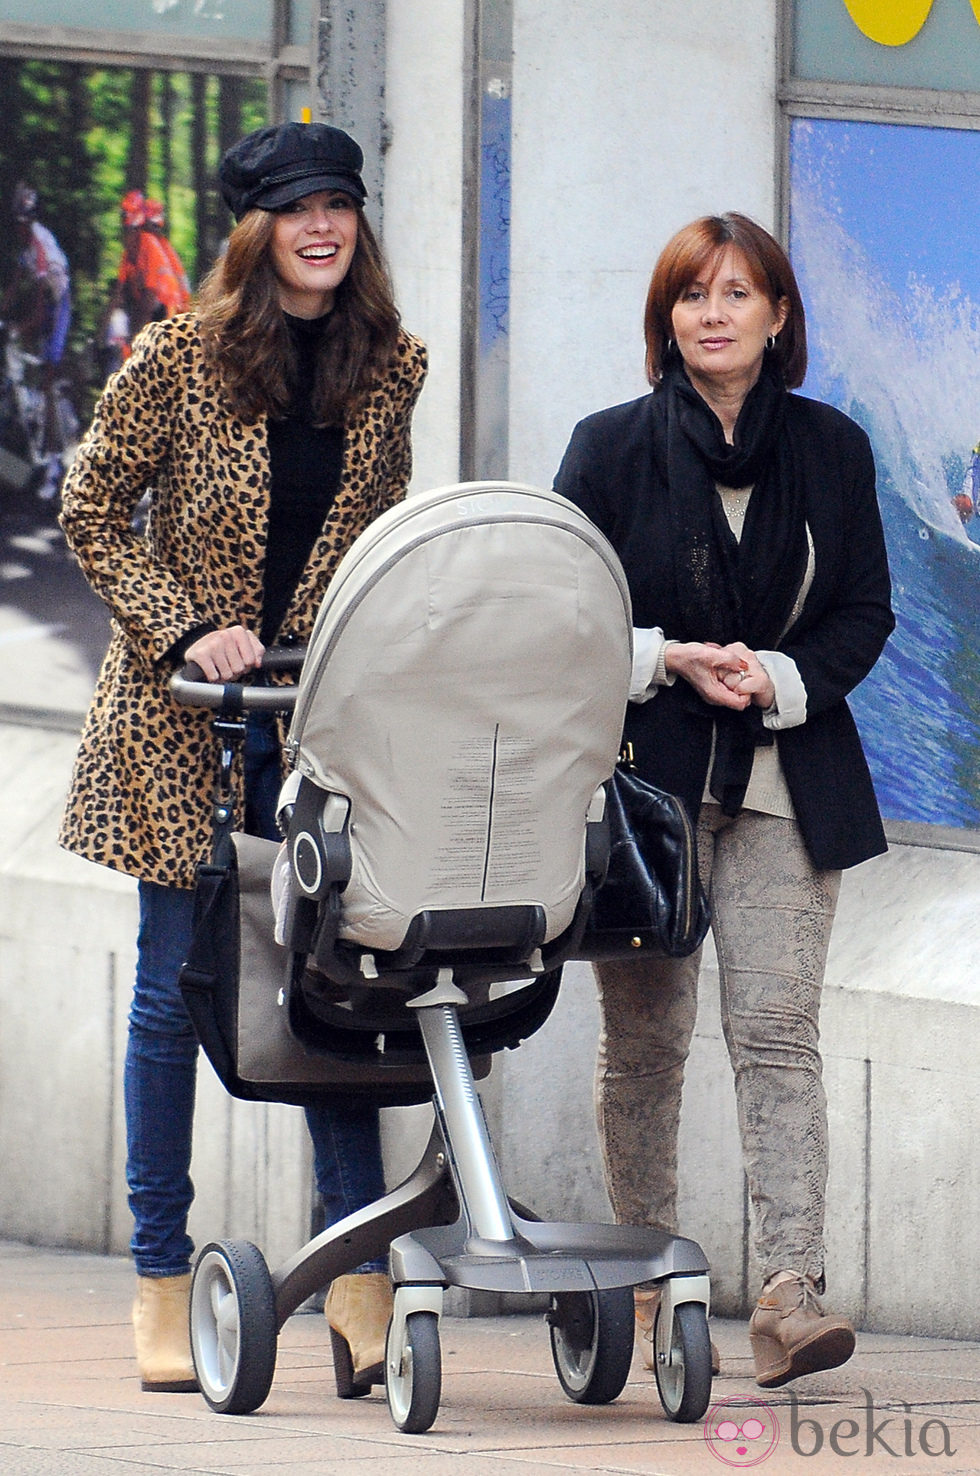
(82, 136)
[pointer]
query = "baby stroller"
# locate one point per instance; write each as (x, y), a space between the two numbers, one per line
(457, 714)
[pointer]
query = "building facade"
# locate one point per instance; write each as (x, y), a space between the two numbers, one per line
(528, 159)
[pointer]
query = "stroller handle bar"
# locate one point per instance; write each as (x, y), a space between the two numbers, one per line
(233, 698)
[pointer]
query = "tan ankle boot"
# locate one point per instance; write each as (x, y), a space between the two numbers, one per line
(161, 1321)
(646, 1300)
(791, 1334)
(358, 1309)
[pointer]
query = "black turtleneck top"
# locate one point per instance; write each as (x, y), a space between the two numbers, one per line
(305, 462)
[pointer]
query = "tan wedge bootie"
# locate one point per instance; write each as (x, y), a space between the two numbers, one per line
(358, 1309)
(791, 1334)
(161, 1321)
(646, 1300)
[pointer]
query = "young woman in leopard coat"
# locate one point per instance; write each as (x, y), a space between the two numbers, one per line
(267, 429)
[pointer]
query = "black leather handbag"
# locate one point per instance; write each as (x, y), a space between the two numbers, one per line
(651, 899)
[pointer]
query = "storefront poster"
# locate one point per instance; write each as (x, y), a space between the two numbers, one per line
(884, 239)
(80, 138)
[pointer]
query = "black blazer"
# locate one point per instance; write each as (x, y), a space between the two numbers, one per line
(610, 470)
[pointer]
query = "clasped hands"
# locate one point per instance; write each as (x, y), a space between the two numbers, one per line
(728, 676)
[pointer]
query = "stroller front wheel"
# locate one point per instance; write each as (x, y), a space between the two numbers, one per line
(413, 1373)
(684, 1376)
(233, 1326)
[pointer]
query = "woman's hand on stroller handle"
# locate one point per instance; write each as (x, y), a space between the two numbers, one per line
(191, 688)
(227, 653)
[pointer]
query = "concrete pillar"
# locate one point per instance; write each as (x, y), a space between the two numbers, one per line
(349, 91)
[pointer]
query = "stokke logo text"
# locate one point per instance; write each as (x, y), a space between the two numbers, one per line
(891, 1432)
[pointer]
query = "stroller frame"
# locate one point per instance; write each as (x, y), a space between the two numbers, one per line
(450, 1223)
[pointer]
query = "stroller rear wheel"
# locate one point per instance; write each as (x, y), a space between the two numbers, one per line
(233, 1326)
(592, 1342)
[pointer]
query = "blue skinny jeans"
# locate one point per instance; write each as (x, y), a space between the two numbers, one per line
(161, 1069)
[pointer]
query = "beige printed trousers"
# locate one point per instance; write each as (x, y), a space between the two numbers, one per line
(772, 914)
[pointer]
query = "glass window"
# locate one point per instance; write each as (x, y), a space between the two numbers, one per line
(296, 97)
(221, 19)
(300, 22)
(882, 231)
(921, 43)
(883, 240)
(81, 138)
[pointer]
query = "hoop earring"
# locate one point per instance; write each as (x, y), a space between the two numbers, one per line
(669, 349)
(771, 342)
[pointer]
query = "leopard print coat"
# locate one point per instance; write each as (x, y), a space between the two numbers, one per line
(141, 789)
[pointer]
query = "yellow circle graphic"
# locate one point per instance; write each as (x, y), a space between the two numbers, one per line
(893, 22)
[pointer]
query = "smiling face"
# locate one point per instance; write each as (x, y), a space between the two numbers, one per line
(313, 243)
(721, 325)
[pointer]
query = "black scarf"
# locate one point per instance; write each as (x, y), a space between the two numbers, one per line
(732, 589)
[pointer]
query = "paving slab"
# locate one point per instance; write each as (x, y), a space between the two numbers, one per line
(71, 1405)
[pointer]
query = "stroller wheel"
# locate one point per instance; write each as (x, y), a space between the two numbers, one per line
(233, 1326)
(684, 1375)
(592, 1342)
(413, 1372)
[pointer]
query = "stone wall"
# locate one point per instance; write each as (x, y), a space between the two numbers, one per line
(901, 1042)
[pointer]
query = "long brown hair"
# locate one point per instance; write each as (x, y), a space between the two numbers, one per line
(692, 256)
(245, 334)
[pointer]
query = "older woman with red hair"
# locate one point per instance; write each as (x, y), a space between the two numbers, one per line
(748, 526)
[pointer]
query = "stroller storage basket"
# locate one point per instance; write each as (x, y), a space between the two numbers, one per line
(233, 984)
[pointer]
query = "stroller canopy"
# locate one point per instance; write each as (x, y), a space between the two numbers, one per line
(464, 692)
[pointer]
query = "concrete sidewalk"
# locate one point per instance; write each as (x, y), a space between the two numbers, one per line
(70, 1402)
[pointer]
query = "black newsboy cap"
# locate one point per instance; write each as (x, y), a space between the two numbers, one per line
(274, 166)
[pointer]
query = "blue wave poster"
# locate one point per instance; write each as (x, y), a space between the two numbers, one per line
(885, 239)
